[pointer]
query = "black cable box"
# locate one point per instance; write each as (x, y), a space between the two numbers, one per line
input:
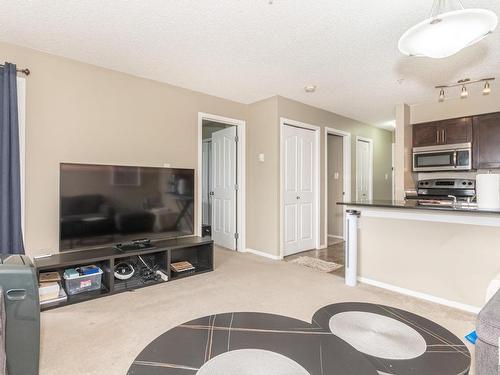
(139, 244)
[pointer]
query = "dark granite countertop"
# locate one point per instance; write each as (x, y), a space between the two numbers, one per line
(414, 205)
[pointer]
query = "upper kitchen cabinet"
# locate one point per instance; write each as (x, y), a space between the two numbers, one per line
(425, 134)
(486, 145)
(445, 132)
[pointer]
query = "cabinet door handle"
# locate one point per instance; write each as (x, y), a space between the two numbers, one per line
(443, 136)
(437, 136)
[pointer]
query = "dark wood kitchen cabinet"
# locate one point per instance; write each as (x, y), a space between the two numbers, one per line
(444, 132)
(486, 145)
(425, 135)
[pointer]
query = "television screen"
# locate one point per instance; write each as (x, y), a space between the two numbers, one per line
(104, 204)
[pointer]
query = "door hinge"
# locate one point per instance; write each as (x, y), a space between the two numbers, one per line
(236, 187)
(236, 139)
(236, 235)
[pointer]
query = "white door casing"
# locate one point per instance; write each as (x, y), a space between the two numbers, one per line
(299, 189)
(206, 181)
(347, 174)
(364, 167)
(224, 187)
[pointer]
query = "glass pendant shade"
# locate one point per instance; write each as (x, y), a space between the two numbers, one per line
(445, 34)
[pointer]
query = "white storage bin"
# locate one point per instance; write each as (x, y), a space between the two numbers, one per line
(48, 291)
(85, 283)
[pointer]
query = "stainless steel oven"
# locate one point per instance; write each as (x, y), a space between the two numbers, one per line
(456, 157)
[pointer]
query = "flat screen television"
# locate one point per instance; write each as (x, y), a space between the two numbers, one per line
(106, 204)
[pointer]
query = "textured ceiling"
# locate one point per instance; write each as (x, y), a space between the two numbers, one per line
(248, 50)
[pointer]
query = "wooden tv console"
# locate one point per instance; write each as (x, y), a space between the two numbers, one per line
(198, 251)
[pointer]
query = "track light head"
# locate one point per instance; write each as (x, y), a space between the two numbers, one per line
(487, 88)
(441, 95)
(464, 94)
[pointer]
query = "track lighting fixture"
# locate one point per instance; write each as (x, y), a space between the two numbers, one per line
(464, 93)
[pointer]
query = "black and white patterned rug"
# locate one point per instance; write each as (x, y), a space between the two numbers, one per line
(343, 338)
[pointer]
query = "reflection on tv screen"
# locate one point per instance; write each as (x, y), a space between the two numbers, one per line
(103, 204)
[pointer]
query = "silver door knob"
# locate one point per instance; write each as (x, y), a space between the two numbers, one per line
(211, 193)
(298, 197)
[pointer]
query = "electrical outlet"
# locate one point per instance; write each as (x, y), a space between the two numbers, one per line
(261, 157)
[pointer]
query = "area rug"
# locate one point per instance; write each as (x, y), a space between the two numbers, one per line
(344, 338)
(317, 264)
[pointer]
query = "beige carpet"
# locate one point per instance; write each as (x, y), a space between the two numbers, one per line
(105, 335)
(316, 264)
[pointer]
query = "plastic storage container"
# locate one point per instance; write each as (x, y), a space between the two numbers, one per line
(48, 291)
(84, 283)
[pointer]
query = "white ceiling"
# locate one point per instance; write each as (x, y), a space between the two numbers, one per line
(248, 50)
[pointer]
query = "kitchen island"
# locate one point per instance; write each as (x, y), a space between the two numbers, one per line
(446, 254)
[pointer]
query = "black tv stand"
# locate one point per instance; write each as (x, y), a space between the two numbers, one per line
(196, 250)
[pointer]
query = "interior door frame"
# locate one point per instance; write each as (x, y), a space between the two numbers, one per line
(346, 166)
(317, 132)
(240, 175)
(370, 165)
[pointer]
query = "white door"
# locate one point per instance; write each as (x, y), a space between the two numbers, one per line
(224, 187)
(363, 170)
(299, 187)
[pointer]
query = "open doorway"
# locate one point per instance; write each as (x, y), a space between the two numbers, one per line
(221, 180)
(335, 188)
(364, 169)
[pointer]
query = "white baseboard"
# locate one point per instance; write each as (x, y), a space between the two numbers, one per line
(262, 254)
(335, 236)
(323, 246)
(424, 296)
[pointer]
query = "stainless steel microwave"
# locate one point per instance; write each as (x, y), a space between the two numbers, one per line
(455, 157)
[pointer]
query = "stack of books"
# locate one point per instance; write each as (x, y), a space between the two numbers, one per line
(181, 266)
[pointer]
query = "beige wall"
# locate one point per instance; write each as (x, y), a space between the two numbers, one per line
(452, 261)
(475, 104)
(82, 113)
(403, 175)
(263, 177)
(86, 114)
(382, 140)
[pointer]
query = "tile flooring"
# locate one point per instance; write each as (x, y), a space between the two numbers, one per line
(333, 253)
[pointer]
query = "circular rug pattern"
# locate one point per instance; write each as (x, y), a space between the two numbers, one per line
(251, 362)
(444, 354)
(343, 338)
(378, 335)
(203, 345)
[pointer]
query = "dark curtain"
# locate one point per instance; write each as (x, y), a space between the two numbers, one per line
(11, 240)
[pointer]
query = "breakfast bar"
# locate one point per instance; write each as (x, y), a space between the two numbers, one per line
(447, 253)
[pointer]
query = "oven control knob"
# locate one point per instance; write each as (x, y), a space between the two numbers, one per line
(470, 183)
(464, 183)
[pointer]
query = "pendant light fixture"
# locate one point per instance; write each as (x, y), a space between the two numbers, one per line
(449, 29)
